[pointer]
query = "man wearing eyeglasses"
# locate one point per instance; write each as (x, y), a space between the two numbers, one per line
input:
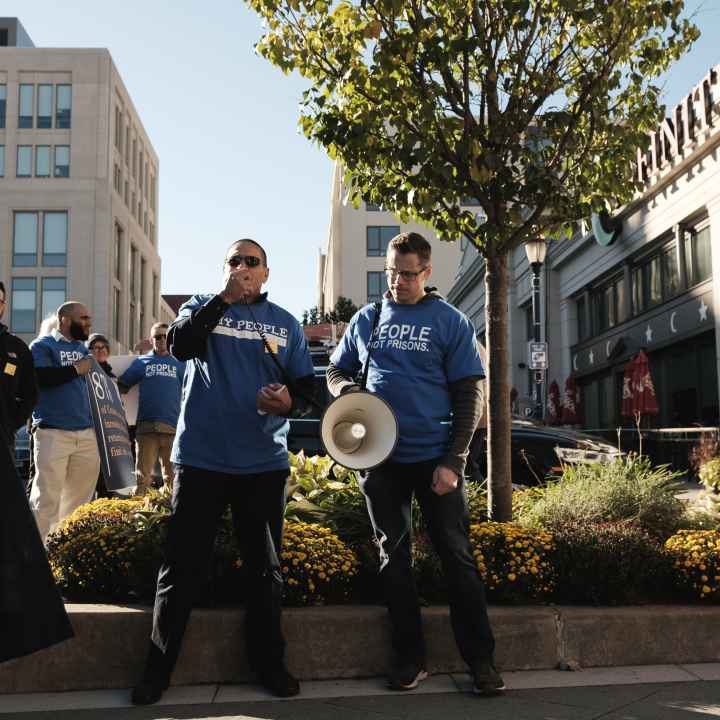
(424, 362)
(248, 367)
(160, 376)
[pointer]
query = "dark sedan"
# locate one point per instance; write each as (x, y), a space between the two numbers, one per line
(538, 450)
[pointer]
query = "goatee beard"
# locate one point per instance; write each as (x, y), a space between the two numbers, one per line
(77, 331)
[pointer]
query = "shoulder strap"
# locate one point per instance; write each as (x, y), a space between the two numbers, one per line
(363, 382)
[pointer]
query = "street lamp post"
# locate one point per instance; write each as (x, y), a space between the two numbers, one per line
(536, 250)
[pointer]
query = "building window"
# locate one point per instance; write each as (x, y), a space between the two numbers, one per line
(23, 305)
(25, 235)
(118, 253)
(378, 237)
(698, 257)
(63, 106)
(62, 161)
(25, 110)
(152, 192)
(131, 326)
(372, 207)
(116, 313)
(141, 163)
(55, 234)
(53, 295)
(24, 161)
(655, 279)
(143, 273)
(608, 305)
(2, 161)
(134, 158)
(582, 328)
(156, 295)
(152, 233)
(3, 104)
(375, 286)
(133, 272)
(126, 194)
(44, 106)
(42, 161)
(118, 129)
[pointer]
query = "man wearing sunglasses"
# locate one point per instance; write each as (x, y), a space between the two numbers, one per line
(248, 368)
(160, 376)
(424, 362)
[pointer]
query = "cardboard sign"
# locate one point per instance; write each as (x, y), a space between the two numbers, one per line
(111, 430)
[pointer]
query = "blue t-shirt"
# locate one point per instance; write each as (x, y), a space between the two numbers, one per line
(219, 427)
(417, 350)
(160, 378)
(66, 406)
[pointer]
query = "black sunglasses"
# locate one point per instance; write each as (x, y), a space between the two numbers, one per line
(250, 261)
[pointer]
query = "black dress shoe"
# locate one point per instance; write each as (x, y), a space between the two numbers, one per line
(148, 692)
(279, 681)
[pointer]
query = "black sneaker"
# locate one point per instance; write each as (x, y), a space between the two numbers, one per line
(279, 681)
(486, 679)
(407, 676)
(148, 692)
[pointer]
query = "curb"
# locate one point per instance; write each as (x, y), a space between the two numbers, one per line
(336, 642)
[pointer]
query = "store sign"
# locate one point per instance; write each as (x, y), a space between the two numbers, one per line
(605, 228)
(686, 128)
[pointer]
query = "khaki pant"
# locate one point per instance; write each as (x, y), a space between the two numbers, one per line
(67, 464)
(149, 447)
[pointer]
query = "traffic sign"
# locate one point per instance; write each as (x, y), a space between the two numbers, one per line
(537, 355)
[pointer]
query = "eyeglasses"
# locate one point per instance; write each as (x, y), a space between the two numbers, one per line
(250, 261)
(408, 275)
(159, 337)
(98, 347)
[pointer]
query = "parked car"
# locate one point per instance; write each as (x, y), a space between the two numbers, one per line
(22, 453)
(305, 431)
(538, 450)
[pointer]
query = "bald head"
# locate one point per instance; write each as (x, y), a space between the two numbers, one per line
(74, 320)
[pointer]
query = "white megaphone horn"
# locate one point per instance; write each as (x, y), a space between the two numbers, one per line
(359, 430)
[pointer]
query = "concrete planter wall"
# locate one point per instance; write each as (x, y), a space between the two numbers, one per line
(353, 641)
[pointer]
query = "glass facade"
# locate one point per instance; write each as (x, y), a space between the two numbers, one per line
(24, 161)
(55, 234)
(25, 234)
(44, 106)
(63, 106)
(25, 106)
(42, 161)
(62, 161)
(378, 237)
(53, 295)
(24, 305)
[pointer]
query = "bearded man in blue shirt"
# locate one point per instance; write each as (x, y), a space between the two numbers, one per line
(424, 362)
(242, 352)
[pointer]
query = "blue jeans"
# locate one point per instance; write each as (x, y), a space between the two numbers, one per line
(388, 491)
(199, 500)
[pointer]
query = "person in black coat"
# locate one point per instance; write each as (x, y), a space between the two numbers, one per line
(32, 613)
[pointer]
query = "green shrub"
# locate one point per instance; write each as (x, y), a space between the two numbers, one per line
(695, 555)
(709, 474)
(628, 489)
(614, 563)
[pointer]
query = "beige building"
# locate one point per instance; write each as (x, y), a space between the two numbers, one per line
(352, 265)
(78, 191)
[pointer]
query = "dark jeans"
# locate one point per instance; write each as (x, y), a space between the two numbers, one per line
(199, 500)
(388, 491)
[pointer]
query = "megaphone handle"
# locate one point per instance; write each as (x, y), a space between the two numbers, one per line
(366, 367)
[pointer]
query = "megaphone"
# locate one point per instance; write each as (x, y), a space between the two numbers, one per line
(359, 430)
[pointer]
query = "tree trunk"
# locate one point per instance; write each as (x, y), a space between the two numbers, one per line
(498, 391)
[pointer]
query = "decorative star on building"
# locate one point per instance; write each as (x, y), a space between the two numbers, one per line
(648, 334)
(591, 358)
(703, 310)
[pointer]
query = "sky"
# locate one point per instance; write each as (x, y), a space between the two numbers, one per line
(223, 123)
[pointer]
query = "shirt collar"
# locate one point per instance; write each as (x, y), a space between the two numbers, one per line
(59, 337)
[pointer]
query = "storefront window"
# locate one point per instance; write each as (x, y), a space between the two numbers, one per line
(698, 257)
